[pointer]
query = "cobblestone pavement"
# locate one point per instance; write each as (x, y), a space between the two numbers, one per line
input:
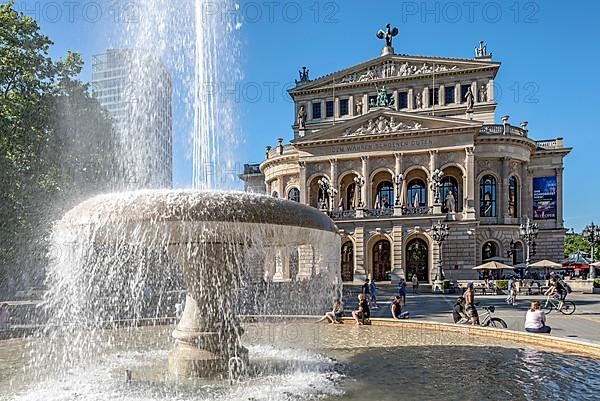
(583, 325)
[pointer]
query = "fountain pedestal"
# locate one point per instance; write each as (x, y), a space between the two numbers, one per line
(208, 334)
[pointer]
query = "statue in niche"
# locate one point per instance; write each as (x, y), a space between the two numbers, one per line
(483, 93)
(419, 101)
(302, 117)
(358, 108)
(470, 99)
(450, 202)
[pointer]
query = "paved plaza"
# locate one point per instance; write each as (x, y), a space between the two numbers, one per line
(583, 325)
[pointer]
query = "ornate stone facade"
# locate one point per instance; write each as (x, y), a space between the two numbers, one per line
(371, 168)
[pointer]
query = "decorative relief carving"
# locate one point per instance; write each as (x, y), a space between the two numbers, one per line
(382, 125)
(391, 69)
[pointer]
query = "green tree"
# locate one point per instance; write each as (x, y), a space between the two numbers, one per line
(56, 143)
(576, 243)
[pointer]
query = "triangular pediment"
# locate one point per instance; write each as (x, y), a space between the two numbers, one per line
(394, 67)
(385, 122)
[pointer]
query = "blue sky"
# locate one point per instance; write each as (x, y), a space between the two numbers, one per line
(547, 49)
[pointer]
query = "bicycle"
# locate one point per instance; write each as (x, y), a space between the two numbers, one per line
(552, 303)
(486, 320)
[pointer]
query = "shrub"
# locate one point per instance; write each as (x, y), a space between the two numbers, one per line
(502, 284)
(597, 283)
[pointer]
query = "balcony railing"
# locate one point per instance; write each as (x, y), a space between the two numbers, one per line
(379, 212)
(342, 214)
(416, 211)
(548, 144)
(502, 129)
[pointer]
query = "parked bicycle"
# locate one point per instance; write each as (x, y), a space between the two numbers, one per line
(486, 319)
(553, 303)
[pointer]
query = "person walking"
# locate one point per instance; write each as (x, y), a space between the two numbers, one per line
(366, 290)
(402, 291)
(535, 320)
(415, 283)
(373, 291)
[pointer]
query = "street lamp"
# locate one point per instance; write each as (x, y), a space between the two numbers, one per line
(324, 185)
(439, 233)
(592, 235)
(398, 180)
(529, 232)
(359, 181)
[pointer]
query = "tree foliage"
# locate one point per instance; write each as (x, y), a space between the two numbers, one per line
(56, 142)
(576, 243)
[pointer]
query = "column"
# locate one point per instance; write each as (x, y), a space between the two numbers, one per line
(281, 188)
(411, 99)
(360, 268)
(442, 95)
(365, 190)
(351, 110)
(365, 103)
(398, 191)
(397, 251)
(457, 99)
(490, 90)
(396, 99)
(333, 202)
(336, 107)
(475, 92)
(559, 197)
(526, 197)
(426, 97)
(502, 195)
(469, 184)
(302, 183)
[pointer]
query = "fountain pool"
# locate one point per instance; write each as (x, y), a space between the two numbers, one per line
(299, 360)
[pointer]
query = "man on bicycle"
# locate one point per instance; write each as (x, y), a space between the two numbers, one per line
(558, 287)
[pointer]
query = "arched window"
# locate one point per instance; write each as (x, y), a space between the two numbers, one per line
(275, 194)
(294, 195)
(518, 256)
(513, 197)
(385, 195)
(449, 184)
(487, 196)
(489, 251)
(348, 261)
(351, 197)
(416, 194)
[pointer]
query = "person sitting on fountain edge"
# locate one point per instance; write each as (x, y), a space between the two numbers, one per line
(458, 312)
(337, 312)
(362, 313)
(396, 308)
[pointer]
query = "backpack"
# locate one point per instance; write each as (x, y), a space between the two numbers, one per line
(566, 286)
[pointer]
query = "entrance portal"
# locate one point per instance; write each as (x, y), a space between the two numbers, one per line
(417, 260)
(348, 261)
(382, 265)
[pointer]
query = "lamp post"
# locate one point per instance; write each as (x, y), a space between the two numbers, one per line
(439, 233)
(398, 180)
(528, 233)
(324, 185)
(332, 192)
(592, 235)
(359, 181)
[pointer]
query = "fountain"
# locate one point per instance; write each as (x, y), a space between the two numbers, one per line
(209, 235)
